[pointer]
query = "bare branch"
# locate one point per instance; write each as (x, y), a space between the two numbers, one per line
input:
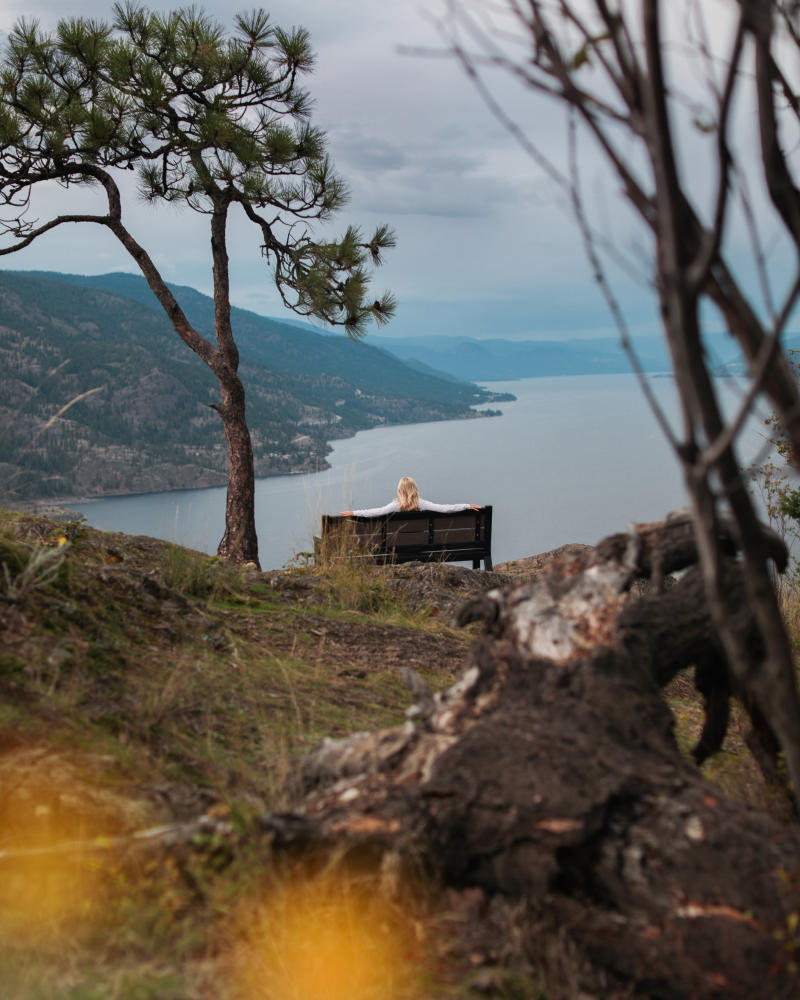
(785, 196)
(34, 234)
(608, 294)
(766, 357)
(709, 248)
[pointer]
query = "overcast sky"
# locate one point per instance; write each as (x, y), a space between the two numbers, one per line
(486, 246)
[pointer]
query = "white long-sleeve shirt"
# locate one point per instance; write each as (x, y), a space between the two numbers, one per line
(394, 506)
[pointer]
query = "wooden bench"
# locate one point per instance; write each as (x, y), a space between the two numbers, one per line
(411, 536)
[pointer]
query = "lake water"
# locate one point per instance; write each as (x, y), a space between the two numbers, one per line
(573, 459)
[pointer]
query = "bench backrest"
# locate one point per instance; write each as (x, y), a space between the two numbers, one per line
(424, 535)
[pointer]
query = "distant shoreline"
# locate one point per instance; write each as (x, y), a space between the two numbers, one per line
(61, 505)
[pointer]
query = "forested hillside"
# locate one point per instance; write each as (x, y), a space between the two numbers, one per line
(144, 421)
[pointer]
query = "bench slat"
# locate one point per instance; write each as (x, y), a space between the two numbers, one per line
(445, 536)
(406, 534)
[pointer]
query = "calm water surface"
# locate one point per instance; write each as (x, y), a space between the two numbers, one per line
(573, 459)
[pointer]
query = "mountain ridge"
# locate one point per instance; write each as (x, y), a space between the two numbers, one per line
(499, 359)
(143, 421)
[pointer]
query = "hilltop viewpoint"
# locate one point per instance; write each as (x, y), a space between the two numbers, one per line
(192, 807)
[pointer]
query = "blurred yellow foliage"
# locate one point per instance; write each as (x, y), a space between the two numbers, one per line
(49, 872)
(333, 937)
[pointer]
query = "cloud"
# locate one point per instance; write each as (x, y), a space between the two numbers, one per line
(487, 243)
(411, 140)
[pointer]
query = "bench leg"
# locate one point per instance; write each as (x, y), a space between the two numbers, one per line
(487, 563)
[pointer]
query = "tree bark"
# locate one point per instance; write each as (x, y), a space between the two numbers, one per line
(240, 541)
(545, 794)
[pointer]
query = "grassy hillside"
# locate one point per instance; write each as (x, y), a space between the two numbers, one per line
(142, 421)
(142, 686)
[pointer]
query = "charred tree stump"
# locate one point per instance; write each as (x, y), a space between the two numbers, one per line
(546, 792)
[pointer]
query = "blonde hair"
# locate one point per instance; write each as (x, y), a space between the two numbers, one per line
(408, 494)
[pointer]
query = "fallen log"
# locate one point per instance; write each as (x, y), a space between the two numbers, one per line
(545, 793)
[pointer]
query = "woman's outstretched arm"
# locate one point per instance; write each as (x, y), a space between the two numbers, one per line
(388, 508)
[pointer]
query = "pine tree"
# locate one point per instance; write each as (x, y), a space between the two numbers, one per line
(214, 120)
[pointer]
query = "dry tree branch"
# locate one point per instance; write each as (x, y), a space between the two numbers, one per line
(689, 266)
(759, 256)
(767, 353)
(782, 191)
(710, 250)
(611, 300)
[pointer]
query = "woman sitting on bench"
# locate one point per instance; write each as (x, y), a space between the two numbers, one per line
(408, 498)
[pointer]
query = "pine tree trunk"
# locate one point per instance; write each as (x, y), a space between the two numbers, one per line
(240, 542)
